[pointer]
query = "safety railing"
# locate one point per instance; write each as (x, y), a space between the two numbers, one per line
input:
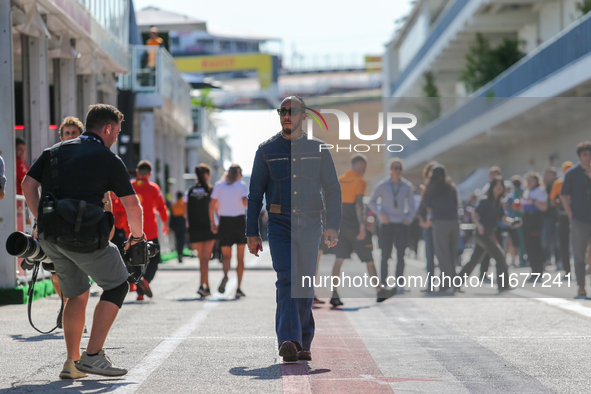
(558, 53)
(444, 22)
(153, 70)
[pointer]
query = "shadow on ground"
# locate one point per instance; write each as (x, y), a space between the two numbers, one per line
(266, 373)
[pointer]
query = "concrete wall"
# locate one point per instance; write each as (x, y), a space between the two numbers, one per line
(530, 35)
(415, 37)
(551, 19)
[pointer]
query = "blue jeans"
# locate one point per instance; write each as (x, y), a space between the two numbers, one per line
(294, 242)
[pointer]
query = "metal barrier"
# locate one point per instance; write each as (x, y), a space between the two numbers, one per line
(444, 22)
(153, 70)
(564, 49)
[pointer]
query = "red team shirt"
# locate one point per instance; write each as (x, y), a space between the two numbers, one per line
(119, 213)
(152, 200)
(21, 171)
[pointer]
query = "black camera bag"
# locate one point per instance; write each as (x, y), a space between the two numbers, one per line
(73, 224)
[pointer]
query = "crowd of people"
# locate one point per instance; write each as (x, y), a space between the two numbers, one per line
(531, 221)
(308, 207)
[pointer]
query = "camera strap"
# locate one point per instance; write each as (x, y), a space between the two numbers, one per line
(30, 303)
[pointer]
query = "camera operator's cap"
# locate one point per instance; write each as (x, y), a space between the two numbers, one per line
(153, 29)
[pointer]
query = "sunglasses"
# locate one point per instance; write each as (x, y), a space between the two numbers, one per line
(289, 111)
(397, 168)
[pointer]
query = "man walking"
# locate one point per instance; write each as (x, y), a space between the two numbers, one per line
(354, 235)
(293, 174)
(395, 212)
(152, 201)
(576, 200)
(83, 170)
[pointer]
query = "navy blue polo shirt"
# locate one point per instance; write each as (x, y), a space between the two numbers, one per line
(577, 185)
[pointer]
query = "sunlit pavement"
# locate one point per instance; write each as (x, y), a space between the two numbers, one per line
(178, 343)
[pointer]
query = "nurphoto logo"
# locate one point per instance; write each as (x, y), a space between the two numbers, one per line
(393, 123)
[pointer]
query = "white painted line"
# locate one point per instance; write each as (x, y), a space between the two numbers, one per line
(137, 375)
(561, 303)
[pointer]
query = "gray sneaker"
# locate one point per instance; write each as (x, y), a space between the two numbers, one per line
(70, 371)
(99, 365)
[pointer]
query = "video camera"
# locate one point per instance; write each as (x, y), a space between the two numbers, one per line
(26, 247)
(140, 253)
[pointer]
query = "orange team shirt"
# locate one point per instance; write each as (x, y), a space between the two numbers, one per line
(352, 185)
(21, 171)
(119, 213)
(152, 200)
(556, 188)
(151, 53)
(178, 208)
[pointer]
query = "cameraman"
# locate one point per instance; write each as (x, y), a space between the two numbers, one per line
(85, 168)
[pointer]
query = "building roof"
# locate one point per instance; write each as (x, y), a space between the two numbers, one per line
(166, 20)
(225, 32)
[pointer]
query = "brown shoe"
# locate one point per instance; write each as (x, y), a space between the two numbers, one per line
(305, 355)
(288, 351)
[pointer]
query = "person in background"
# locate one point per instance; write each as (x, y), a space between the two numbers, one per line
(563, 221)
(21, 165)
(486, 216)
(533, 204)
(70, 128)
(154, 41)
(549, 227)
(425, 223)
(493, 172)
(228, 202)
(415, 230)
(354, 235)
(178, 223)
(152, 201)
(576, 200)
(2, 179)
(396, 211)
(441, 199)
(201, 238)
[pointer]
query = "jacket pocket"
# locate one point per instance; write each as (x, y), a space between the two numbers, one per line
(311, 167)
(278, 168)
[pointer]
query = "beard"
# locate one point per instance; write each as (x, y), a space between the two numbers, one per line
(290, 128)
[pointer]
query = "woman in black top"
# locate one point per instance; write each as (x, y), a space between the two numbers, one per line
(201, 238)
(486, 216)
(441, 199)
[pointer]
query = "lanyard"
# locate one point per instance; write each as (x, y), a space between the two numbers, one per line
(395, 193)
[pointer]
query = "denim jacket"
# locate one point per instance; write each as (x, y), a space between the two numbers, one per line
(294, 175)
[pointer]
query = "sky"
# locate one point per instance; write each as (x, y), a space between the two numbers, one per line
(316, 28)
(245, 130)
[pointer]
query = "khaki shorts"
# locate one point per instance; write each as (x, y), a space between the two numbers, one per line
(104, 266)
